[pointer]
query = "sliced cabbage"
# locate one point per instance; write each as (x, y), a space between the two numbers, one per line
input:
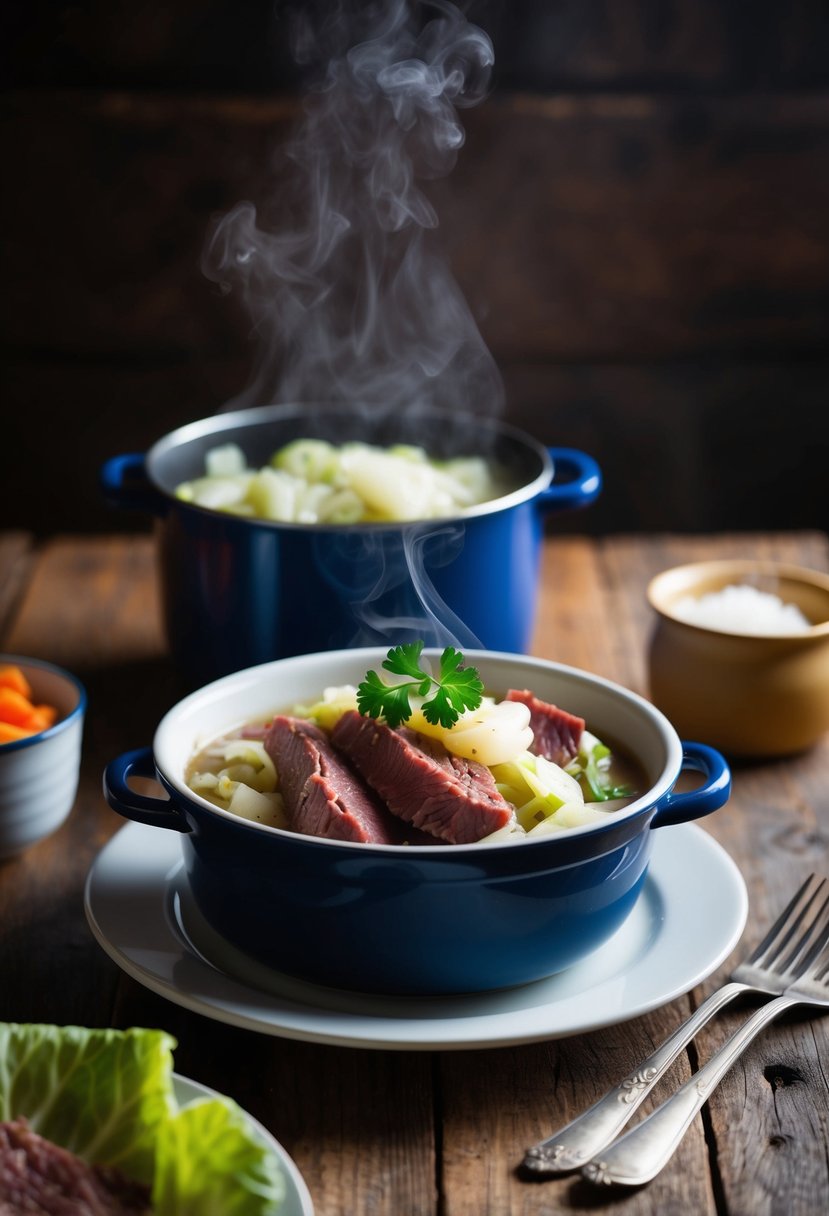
(570, 815)
(395, 487)
(227, 460)
(261, 808)
(216, 493)
(201, 783)
(537, 788)
(470, 477)
(531, 778)
(591, 767)
(341, 507)
(312, 481)
(252, 752)
(273, 494)
(308, 459)
(492, 734)
(335, 701)
(246, 769)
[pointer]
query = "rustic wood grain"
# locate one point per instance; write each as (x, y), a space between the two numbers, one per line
(15, 557)
(590, 228)
(106, 595)
(496, 1104)
(571, 626)
(570, 259)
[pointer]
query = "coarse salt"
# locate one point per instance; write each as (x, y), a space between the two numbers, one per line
(741, 608)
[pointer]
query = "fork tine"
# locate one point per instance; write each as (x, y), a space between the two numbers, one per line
(821, 970)
(813, 961)
(789, 925)
(804, 953)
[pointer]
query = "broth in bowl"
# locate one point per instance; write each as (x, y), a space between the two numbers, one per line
(381, 763)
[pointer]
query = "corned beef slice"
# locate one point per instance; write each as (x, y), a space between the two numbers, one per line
(445, 795)
(557, 734)
(323, 797)
(38, 1178)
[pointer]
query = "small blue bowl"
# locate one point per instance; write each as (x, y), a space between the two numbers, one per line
(417, 919)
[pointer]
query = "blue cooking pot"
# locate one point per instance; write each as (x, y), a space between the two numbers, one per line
(239, 591)
(417, 918)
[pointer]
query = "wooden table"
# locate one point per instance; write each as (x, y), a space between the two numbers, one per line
(410, 1133)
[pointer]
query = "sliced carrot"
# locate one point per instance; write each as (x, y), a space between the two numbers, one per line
(10, 733)
(14, 707)
(11, 676)
(41, 717)
(19, 718)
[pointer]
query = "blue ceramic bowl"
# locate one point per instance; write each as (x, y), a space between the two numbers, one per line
(415, 919)
(237, 592)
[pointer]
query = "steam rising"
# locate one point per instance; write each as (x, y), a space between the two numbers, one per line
(349, 301)
(387, 589)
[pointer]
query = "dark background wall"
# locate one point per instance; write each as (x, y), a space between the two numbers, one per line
(639, 220)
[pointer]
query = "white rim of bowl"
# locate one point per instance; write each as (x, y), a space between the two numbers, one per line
(663, 785)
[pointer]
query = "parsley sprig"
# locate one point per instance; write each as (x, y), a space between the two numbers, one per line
(454, 690)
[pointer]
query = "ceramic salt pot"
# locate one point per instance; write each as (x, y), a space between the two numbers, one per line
(739, 654)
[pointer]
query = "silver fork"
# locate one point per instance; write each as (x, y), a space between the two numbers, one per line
(778, 960)
(641, 1153)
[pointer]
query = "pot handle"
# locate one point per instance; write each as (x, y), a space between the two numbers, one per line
(125, 483)
(712, 794)
(581, 484)
(157, 812)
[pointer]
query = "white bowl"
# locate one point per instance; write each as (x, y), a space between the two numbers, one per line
(39, 774)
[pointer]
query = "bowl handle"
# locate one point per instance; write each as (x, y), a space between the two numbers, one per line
(712, 794)
(157, 812)
(581, 480)
(124, 483)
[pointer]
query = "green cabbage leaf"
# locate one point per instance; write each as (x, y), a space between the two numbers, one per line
(208, 1164)
(108, 1097)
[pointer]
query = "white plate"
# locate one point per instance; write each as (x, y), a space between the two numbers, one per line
(688, 919)
(297, 1200)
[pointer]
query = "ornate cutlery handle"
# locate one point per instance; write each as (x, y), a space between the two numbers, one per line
(641, 1153)
(574, 1145)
